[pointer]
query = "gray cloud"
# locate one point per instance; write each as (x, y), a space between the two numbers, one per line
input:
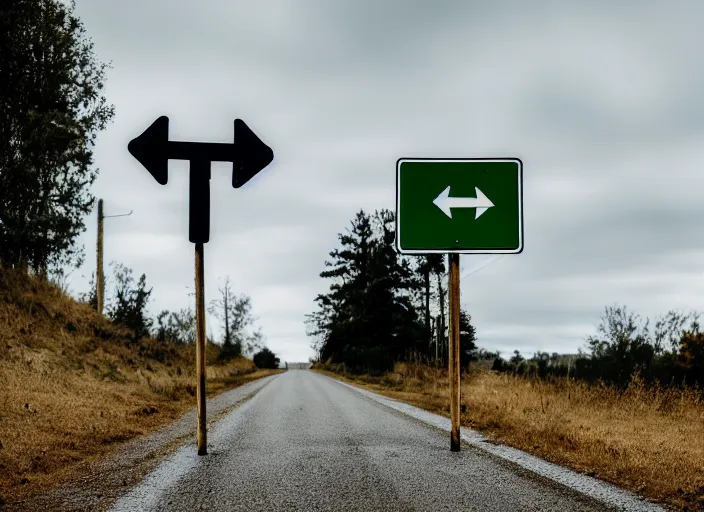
(600, 100)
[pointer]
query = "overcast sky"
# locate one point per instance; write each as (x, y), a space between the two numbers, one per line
(601, 100)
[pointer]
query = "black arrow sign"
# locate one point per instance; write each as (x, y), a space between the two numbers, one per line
(248, 155)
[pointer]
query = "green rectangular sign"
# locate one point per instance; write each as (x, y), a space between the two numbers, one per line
(469, 206)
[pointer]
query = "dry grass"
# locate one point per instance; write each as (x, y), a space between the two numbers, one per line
(645, 439)
(73, 386)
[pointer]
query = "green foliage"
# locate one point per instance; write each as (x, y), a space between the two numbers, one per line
(176, 327)
(265, 358)
(468, 337)
(670, 329)
(128, 305)
(51, 110)
(368, 319)
(499, 364)
(253, 342)
(626, 345)
(691, 357)
(516, 358)
(482, 354)
(427, 266)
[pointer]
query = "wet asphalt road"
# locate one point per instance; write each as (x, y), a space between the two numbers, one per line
(308, 442)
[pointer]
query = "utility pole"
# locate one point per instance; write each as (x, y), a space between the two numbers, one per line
(100, 275)
(227, 313)
(454, 352)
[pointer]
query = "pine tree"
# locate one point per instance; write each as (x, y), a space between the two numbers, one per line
(423, 269)
(468, 338)
(397, 285)
(427, 266)
(342, 309)
(438, 269)
(176, 327)
(367, 319)
(129, 303)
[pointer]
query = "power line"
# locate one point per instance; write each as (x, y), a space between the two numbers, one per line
(485, 265)
(122, 215)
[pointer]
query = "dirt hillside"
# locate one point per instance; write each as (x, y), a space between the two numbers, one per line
(74, 386)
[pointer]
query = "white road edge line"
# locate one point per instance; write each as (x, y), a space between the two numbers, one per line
(589, 486)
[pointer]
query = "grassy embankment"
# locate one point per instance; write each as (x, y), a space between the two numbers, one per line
(645, 439)
(72, 386)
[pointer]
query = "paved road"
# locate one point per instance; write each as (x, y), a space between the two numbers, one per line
(308, 442)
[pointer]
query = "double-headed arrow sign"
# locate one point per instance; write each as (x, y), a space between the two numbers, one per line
(445, 202)
(459, 205)
(248, 155)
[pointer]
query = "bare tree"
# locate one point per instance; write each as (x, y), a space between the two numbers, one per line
(235, 313)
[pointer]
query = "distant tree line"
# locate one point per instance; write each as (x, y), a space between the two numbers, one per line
(668, 352)
(378, 308)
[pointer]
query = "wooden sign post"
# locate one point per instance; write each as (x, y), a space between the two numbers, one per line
(200, 351)
(454, 352)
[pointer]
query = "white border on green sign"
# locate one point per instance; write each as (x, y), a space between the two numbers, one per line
(460, 251)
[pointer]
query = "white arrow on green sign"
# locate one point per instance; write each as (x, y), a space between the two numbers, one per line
(469, 206)
(480, 203)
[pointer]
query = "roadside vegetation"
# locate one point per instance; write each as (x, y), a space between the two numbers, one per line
(75, 384)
